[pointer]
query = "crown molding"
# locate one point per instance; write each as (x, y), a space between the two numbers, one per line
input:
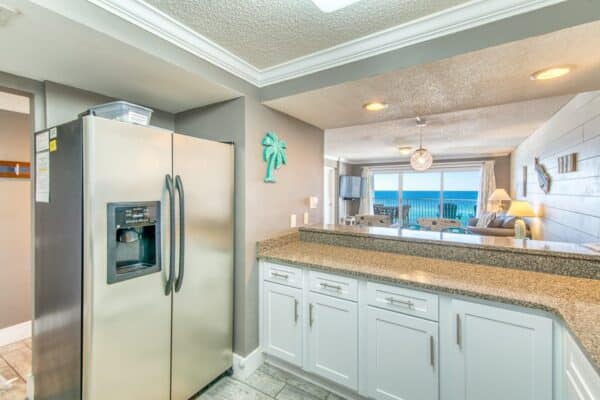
(442, 159)
(459, 18)
(151, 19)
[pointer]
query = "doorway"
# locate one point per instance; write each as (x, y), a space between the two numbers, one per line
(16, 124)
(329, 196)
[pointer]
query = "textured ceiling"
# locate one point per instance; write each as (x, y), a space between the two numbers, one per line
(270, 32)
(484, 131)
(496, 75)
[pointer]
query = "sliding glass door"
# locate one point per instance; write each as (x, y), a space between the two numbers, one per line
(460, 191)
(421, 196)
(417, 199)
(386, 195)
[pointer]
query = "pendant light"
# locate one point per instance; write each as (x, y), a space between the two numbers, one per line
(421, 159)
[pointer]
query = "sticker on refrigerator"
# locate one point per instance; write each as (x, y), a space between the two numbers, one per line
(42, 141)
(42, 177)
(53, 133)
(53, 145)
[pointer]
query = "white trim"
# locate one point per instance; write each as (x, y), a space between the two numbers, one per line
(446, 166)
(444, 159)
(455, 19)
(151, 19)
(243, 367)
(15, 333)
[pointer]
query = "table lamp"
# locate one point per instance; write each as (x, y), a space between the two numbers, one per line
(499, 195)
(520, 209)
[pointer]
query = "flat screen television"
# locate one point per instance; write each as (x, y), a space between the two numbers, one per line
(350, 187)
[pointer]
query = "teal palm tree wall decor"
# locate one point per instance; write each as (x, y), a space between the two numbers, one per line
(273, 154)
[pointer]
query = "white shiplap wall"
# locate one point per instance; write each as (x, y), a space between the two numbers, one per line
(571, 211)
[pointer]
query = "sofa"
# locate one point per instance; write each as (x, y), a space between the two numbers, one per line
(500, 225)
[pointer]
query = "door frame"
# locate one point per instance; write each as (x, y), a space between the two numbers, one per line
(329, 188)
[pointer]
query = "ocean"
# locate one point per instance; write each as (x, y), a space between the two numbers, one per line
(426, 204)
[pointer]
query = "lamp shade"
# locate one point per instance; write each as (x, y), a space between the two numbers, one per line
(499, 195)
(521, 209)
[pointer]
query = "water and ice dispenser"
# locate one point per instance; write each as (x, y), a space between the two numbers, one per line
(133, 240)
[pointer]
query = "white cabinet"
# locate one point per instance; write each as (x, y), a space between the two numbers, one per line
(402, 356)
(333, 339)
(581, 379)
(282, 323)
(499, 354)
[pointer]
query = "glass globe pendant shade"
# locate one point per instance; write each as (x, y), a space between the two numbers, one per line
(421, 160)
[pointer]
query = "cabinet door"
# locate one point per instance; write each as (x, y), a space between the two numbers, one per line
(333, 339)
(402, 356)
(581, 379)
(499, 354)
(282, 322)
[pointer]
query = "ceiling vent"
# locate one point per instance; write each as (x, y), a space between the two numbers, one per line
(6, 13)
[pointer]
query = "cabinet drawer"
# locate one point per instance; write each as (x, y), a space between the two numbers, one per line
(283, 274)
(412, 302)
(333, 285)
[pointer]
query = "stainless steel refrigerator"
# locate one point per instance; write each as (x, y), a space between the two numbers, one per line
(133, 262)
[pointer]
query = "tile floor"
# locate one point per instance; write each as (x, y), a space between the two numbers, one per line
(15, 362)
(266, 383)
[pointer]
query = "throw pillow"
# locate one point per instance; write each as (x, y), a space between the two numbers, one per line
(498, 220)
(485, 220)
(509, 222)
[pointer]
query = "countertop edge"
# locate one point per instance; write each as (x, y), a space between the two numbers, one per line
(555, 254)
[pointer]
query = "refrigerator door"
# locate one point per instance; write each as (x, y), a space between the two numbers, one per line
(126, 327)
(203, 297)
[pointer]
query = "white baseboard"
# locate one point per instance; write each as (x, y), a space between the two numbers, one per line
(243, 367)
(15, 333)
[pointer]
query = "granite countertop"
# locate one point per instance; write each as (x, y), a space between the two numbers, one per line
(526, 246)
(575, 300)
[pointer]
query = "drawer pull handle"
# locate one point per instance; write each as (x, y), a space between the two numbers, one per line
(458, 332)
(310, 315)
(295, 310)
(333, 287)
(431, 351)
(278, 275)
(406, 303)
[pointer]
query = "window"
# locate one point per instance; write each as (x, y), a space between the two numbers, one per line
(410, 197)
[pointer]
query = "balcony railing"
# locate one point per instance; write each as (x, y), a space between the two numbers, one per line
(414, 209)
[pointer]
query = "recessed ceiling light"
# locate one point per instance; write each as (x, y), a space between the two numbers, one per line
(328, 6)
(405, 150)
(375, 106)
(551, 73)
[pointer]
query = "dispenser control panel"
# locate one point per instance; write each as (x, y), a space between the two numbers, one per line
(131, 216)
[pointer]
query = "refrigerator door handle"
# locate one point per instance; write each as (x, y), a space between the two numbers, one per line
(179, 187)
(169, 285)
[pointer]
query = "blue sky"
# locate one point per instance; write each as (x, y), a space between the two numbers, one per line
(462, 181)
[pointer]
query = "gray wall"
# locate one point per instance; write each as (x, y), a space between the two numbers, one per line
(262, 210)
(15, 219)
(571, 211)
(268, 206)
(65, 103)
(226, 121)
